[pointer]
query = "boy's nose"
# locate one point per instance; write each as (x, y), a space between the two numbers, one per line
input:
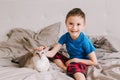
(74, 27)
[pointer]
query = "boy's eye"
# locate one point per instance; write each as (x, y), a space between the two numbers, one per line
(70, 23)
(78, 24)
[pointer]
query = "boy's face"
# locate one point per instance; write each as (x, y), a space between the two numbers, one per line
(75, 24)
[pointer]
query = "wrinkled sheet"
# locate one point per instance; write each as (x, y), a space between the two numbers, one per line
(16, 73)
(20, 41)
(108, 68)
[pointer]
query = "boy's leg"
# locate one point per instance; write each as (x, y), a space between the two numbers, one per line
(79, 76)
(60, 60)
(60, 64)
(77, 70)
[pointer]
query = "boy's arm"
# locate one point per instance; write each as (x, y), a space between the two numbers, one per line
(92, 61)
(55, 49)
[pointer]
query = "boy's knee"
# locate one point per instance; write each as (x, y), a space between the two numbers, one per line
(73, 68)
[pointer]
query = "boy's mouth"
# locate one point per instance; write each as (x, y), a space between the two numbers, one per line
(74, 31)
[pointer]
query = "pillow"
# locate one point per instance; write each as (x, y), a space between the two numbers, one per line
(49, 35)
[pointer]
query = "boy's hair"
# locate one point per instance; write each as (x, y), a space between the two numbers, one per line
(75, 12)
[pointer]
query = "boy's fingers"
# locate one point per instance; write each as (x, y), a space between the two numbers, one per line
(41, 48)
(45, 47)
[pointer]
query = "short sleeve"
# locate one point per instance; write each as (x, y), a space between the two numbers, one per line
(62, 39)
(88, 46)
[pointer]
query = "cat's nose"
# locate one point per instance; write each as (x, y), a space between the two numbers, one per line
(37, 53)
(42, 52)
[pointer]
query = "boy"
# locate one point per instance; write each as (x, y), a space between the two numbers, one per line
(78, 46)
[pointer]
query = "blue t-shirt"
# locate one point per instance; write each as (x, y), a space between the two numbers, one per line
(78, 48)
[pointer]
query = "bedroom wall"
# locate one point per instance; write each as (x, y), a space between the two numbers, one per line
(102, 15)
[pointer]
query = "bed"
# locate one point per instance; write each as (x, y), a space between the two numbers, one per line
(20, 41)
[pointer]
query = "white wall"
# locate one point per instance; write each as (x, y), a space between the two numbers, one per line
(103, 16)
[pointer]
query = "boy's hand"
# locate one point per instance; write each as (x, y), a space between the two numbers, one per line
(71, 60)
(41, 48)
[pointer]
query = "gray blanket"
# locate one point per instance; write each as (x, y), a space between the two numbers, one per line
(21, 41)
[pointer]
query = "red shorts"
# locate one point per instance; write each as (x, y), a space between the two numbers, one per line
(73, 67)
